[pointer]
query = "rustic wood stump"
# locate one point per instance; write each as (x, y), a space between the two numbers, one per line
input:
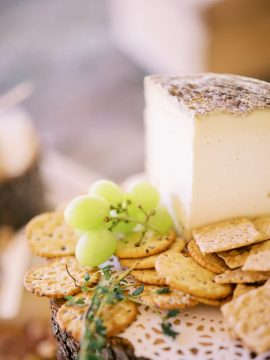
(68, 348)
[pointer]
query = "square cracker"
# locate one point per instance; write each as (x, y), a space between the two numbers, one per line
(262, 224)
(235, 258)
(226, 235)
(259, 257)
(239, 276)
(242, 289)
(249, 317)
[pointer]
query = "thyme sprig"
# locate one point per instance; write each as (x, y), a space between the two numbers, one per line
(111, 290)
(121, 213)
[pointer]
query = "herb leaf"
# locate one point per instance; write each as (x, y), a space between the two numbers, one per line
(172, 313)
(163, 291)
(138, 291)
(167, 330)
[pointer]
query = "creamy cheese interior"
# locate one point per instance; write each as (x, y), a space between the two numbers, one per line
(211, 168)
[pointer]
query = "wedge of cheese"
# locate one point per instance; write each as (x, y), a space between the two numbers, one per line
(208, 146)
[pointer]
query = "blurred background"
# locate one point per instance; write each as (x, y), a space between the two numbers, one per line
(71, 109)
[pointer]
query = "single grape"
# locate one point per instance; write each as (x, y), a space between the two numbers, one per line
(95, 247)
(161, 221)
(123, 228)
(86, 212)
(108, 191)
(144, 194)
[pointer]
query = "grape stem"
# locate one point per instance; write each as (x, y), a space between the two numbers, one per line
(72, 277)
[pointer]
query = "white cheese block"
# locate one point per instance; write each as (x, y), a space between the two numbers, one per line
(208, 146)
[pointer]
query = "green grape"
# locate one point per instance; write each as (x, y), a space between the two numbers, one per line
(107, 190)
(86, 212)
(161, 221)
(144, 194)
(95, 247)
(123, 228)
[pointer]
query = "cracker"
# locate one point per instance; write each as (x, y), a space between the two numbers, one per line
(209, 261)
(149, 261)
(242, 289)
(226, 235)
(148, 276)
(49, 236)
(52, 279)
(259, 257)
(151, 244)
(211, 302)
(184, 274)
(249, 317)
(235, 258)
(172, 300)
(262, 224)
(116, 317)
(239, 276)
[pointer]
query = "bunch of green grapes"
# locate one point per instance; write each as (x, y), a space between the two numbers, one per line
(107, 213)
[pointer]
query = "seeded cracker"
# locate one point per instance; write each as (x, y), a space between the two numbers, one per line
(209, 261)
(226, 235)
(212, 302)
(242, 289)
(149, 261)
(259, 257)
(249, 317)
(184, 274)
(151, 244)
(239, 276)
(168, 301)
(53, 281)
(235, 258)
(49, 236)
(262, 224)
(116, 317)
(148, 276)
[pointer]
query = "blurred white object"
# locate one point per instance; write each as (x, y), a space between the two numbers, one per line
(188, 36)
(19, 145)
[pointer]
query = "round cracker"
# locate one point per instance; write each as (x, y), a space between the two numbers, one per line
(149, 261)
(212, 302)
(209, 261)
(116, 317)
(150, 245)
(49, 236)
(172, 300)
(52, 279)
(148, 276)
(184, 274)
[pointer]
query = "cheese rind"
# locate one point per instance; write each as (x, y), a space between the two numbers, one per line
(207, 146)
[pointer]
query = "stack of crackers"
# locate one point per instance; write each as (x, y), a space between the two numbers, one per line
(225, 264)
(61, 276)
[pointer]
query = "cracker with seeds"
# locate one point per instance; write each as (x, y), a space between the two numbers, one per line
(52, 279)
(209, 261)
(239, 276)
(212, 302)
(148, 276)
(166, 299)
(235, 258)
(49, 236)
(149, 261)
(262, 224)
(249, 317)
(259, 257)
(242, 289)
(185, 274)
(226, 235)
(132, 247)
(116, 317)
